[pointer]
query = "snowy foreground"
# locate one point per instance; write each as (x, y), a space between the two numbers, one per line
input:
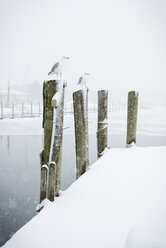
(119, 202)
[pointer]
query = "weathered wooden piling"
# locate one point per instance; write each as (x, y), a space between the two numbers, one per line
(102, 123)
(50, 88)
(132, 117)
(51, 181)
(80, 103)
(43, 182)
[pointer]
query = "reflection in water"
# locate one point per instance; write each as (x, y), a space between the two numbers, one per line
(19, 182)
(20, 174)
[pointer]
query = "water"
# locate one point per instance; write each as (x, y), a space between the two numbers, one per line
(20, 174)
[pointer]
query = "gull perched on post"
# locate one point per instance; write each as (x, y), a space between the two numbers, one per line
(83, 80)
(58, 67)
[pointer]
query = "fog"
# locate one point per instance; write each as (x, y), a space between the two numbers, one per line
(120, 43)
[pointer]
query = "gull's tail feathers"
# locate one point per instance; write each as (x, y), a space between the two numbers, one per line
(50, 73)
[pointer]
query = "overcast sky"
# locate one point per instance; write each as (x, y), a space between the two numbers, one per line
(121, 43)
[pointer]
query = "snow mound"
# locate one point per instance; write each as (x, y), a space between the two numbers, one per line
(146, 238)
(120, 202)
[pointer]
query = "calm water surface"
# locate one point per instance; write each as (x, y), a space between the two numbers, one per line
(20, 174)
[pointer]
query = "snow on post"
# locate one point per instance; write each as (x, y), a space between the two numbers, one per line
(49, 90)
(80, 103)
(56, 104)
(102, 127)
(57, 151)
(132, 117)
(51, 181)
(56, 100)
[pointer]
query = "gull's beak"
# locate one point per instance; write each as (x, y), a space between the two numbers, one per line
(67, 58)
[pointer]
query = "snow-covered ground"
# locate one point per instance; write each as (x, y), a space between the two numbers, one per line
(151, 131)
(21, 126)
(119, 202)
(150, 122)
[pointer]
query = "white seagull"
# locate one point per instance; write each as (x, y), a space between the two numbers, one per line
(83, 80)
(58, 67)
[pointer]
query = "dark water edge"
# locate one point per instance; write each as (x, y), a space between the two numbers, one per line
(20, 174)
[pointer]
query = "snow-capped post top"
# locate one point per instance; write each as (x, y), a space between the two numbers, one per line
(45, 166)
(132, 117)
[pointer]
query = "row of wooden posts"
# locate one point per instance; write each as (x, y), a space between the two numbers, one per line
(14, 113)
(51, 169)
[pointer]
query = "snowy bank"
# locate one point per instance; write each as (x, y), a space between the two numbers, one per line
(119, 202)
(150, 122)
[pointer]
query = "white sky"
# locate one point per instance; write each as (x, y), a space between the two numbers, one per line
(121, 43)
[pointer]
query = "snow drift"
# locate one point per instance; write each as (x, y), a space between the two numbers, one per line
(119, 202)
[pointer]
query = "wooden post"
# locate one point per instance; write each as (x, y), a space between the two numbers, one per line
(49, 90)
(13, 110)
(43, 182)
(102, 129)
(1, 110)
(132, 117)
(80, 103)
(51, 181)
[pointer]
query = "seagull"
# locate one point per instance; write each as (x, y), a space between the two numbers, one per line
(82, 80)
(58, 67)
